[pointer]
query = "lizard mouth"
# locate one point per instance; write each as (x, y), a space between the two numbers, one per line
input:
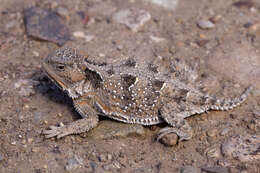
(54, 77)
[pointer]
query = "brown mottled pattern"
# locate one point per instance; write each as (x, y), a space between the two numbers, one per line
(154, 93)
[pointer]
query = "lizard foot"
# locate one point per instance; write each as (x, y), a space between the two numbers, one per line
(76, 127)
(183, 135)
(59, 131)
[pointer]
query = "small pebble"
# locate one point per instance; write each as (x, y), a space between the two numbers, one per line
(109, 157)
(26, 106)
(133, 18)
(23, 141)
(215, 19)
(212, 132)
(101, 55)
(254, 27)
(251, 126)
(169, 139)
(202, 36)
(203, 43)
(30, 140)
(74, 163)
(59, 114)
(156, 39)
(168, 4)
(224, 132)
(63, 11)
(119, 47)
(35, 53)
(81, 34)
(35, 149)
(215, 169)
(205, 24)
(102, 158)
(190, 169)
(243, 3)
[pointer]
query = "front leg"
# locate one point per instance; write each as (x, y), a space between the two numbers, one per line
(76, 127)
(89, 121)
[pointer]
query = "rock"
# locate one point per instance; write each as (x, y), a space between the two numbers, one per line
(73, 163)
(80, 34)
(205, 24)
(202, 43)
(109, 157)
(63, 11)
(215, 18)
(108, 129)
(243, 3)
(244, 148)
(212, 132)
(132, 18)
(169, 139)
(215, 170)
(168, 4)
(224, 131)
(45, 25)
(190, 169)
(157, 39)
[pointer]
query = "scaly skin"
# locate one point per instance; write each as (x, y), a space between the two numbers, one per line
(131, 94)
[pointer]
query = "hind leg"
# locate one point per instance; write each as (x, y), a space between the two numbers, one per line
(178, 125)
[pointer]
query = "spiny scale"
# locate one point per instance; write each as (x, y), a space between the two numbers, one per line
(136, 100)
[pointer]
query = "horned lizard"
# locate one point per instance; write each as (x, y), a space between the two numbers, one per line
(130, 94)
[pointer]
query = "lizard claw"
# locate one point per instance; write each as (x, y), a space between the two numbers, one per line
(58, 131)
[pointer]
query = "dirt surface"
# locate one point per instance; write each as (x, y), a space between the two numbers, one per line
(228, 59)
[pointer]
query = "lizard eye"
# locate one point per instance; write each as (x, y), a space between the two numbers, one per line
(60, 67)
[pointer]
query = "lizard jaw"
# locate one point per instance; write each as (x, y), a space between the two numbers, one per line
(54, 77)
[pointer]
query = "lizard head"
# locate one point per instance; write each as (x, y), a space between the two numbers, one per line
(64, 67)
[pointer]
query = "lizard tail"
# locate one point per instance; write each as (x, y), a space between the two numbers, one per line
(227, 104)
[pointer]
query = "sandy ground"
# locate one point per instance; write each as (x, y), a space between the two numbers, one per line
(227, 54)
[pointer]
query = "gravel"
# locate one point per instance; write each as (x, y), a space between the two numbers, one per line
(132, 18)
(205, 24)
(73, 163)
